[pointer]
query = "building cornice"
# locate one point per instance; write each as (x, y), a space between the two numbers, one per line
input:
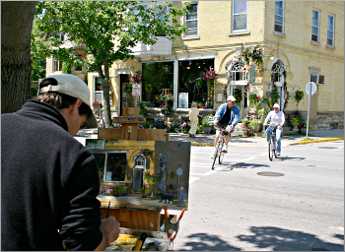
(216, 47)
(303, 51)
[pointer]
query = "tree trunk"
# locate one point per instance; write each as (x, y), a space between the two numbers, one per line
(105, 88)
(16, 18)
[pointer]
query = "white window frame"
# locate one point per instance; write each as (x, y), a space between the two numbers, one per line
(185, 35)
(333, 31)
(318, 26)
(282, 15)
(233, 14)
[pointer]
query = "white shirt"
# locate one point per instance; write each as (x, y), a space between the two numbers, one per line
(275, 118)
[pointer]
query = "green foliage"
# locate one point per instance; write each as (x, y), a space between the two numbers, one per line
(255, 125)
(120, 189)
(105, 29)
(207, 121)
(39, 52)
(101, 32)
(297, 121)
(299, 94)
(253, 55)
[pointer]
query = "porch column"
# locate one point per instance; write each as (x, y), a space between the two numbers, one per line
(175, 91)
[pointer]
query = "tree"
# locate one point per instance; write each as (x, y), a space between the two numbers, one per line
(105, 31)
(16, 18)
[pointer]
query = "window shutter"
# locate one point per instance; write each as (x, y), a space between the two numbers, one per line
(321, 79)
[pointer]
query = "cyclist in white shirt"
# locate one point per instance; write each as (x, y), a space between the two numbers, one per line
(276, 119)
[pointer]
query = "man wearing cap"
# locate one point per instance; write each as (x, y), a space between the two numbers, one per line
(276, 119)
(227, 116)
(49, 181)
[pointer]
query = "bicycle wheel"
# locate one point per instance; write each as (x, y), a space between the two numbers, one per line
(216, 154)
(221, 153)
(270, 150)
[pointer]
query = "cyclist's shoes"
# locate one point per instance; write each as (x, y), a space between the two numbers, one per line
(225, 149)
(278, 154)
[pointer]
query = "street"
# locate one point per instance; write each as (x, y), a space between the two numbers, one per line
(234, 208)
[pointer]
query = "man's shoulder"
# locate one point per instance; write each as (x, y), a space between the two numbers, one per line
(236, 109)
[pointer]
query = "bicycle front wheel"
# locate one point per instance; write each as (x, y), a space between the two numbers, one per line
(216, 154)
(270, 150)
(220, 153)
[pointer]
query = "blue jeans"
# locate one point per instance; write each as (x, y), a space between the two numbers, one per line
(279, 132)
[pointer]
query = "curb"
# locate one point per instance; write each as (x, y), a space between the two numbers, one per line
(320, 140)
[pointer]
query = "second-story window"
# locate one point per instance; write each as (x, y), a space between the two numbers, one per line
(279, 16)
(330, 31)
(315, 29)
(191, 20)
(239, 15)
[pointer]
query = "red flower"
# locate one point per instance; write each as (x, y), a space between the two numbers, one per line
(209, 74)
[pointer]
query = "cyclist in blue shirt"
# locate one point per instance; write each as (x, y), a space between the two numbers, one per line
(227, 116)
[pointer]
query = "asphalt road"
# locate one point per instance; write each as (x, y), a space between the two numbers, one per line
(234, 208)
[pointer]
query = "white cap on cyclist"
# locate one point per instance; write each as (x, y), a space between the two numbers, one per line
(231, 98)
(276, 105)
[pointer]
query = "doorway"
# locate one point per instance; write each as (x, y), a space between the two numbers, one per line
(125, 92)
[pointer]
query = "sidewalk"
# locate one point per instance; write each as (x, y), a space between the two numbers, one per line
(315, 136)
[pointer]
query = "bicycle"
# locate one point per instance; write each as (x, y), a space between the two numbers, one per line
(219, 153)
(272, 144)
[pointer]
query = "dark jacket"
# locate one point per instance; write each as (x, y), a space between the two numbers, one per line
(49, 184)
(234, 117)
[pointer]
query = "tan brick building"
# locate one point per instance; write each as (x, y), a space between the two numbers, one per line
(302, 41)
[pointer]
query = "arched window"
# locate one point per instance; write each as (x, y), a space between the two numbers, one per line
(138, 172)
(238, 73)
(277, 71)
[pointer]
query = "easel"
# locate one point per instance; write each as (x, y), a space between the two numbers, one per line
(138, 216)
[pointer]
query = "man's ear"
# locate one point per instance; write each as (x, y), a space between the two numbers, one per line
(74, 106)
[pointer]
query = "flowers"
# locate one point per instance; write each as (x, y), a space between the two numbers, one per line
(136, 78)
(210, 74)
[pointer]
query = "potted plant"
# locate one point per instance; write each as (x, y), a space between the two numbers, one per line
(299, 94)
(297, 122)
(207, 124)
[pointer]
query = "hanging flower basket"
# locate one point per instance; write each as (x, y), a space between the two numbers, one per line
(209, 76)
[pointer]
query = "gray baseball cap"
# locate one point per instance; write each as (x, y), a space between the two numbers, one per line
(73, 86)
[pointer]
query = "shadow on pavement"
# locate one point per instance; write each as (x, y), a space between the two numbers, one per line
(207, 242)
(244, 165)
(291, 158)
(241, 140)
(275, 238)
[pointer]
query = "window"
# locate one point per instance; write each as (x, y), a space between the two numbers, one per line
(238, 73)
(314, 74)
(158, 82)
(239, 15)
(315, 29)
(330, 31)
(191, 20)
(112, 166)
(116, 167)
(314, 77)
(192, 84)
(279, 16)
(57, 65)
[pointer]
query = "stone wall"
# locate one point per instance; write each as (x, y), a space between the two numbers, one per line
(329, 120)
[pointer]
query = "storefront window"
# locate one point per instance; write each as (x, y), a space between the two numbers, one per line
(192, 86)
(158, 78)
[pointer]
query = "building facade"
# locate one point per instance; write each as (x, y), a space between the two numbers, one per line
(298, 41)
